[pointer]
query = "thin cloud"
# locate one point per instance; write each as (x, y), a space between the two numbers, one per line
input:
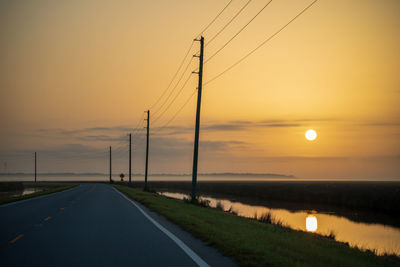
(382, 123)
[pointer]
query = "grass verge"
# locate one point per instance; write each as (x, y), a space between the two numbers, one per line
(253, 243)
(44, 192)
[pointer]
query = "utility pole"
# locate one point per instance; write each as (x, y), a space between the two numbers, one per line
(130, 157)
(197, 129)
(147, 150)
(110, 165)
(35, 167)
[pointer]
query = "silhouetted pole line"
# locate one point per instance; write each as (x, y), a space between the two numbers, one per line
(35, 167)
(147, 150)
(130, 158)
(110, 166)
(197, 129)
(200, 83)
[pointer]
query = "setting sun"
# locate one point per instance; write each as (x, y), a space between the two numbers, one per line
(311, 135)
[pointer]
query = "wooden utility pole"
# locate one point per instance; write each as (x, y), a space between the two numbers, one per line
(110, 166)
(147, 150)
(130, 157)
(35, 167)
(197, 129)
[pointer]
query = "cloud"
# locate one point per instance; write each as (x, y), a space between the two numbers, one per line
(280, 125)
(245, 125)
(101, 129)
(229, 126)
(382, 123)
(101, 133)
(105, 138)
(224, 127)
(93, 134)
(300, 158)
(66, 151)
(329, 158)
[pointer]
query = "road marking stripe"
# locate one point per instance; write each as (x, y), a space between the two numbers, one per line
(196, 258)
(16, 239)
(92, 189)
(47, 218)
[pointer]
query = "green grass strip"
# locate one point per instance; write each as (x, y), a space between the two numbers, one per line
(252, 243)
(44, 192)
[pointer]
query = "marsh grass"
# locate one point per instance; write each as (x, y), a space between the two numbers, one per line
(253, 243)
(197, 201)
(220, 206)
(232, 211)
(331, 235)
(268, 217)
(47, 190)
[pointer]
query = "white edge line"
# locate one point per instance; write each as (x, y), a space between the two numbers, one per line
(36, 198)
(196, 258)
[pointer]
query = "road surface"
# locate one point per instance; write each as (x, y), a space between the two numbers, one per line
(91, 225)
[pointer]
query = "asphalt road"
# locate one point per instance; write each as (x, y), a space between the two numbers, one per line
(90, 225)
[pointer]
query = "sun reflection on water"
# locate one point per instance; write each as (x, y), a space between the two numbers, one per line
(311, 223)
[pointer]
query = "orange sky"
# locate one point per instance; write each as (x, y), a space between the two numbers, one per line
(76, 76)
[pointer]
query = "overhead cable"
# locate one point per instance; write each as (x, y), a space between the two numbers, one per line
(233, 37)
(262, 44)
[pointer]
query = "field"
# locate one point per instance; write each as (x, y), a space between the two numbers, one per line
(12, 191)
(359, 201)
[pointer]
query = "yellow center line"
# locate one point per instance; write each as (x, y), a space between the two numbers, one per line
(16, 239)
(92, 189)
(47, 218)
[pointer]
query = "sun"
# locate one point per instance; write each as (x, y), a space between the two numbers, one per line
(311, 135)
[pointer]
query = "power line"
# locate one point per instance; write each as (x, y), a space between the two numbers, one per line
(139, 128)
(138, 124)
(173, 77)
(173, 117)
(214, 19)
(173, 89)
(262, 44)
(229, 22)
(173, 100)
(219, 50)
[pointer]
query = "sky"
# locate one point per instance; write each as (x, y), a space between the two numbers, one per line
(77, 76)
